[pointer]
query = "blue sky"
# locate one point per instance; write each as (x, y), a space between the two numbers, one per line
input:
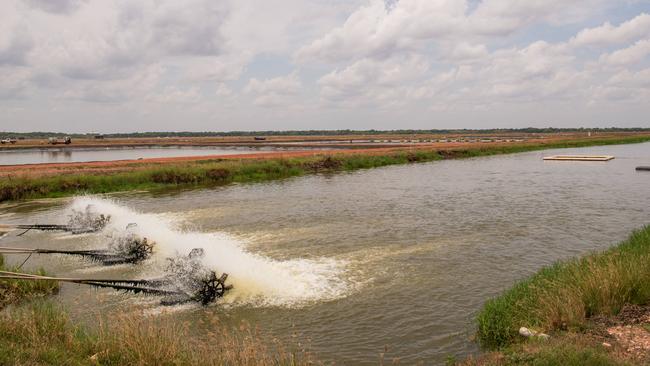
(110, 66)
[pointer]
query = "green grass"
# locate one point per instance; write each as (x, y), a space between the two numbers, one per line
(220, 172)
(564, 295)
(34, 331)
(14, 291)
(41, 333)
(37, 332)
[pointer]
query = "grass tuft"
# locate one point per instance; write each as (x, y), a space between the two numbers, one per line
(42, 333)
(13, 291)
(563, 296)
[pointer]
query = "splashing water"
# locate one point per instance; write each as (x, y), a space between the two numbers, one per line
(257, 280)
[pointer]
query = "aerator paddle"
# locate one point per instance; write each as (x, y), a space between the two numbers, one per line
(209, 290)
(137, 286)
(80, 222)
(129, 250)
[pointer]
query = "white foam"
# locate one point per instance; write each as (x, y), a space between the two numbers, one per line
(257, 280)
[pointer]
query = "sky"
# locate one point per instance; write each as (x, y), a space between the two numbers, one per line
(223, 65)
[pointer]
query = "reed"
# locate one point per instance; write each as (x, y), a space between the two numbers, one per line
(565, 295)
(219, 172)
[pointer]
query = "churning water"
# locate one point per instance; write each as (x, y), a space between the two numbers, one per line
(401, 256)
(257, 280)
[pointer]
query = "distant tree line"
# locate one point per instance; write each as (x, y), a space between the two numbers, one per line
(38, 135)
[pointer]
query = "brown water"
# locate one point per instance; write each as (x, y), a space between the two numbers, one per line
(400, 256)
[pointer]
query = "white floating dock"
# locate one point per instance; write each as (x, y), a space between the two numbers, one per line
(580, 157)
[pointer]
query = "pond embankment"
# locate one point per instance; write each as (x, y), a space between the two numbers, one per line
(594, 308)
(56, 180)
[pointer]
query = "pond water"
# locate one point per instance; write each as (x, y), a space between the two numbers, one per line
(78, 154)
(401, 257)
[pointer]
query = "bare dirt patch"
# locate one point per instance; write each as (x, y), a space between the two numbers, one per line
(628, 332)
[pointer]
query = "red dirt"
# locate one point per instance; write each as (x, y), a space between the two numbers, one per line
(125, 165)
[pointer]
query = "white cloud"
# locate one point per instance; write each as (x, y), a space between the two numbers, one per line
(607, 34)
(14, 82)
(56, 6)
(144, 57)
(466, 51)
(377, 30)
(626, 78)
(624, 87)
(278, 91)
(223, 91)
(630, 55)
(504, 16)
(175, 95)
(15, 40)
(141, 85)
(188, 27)
(65, 43)
(539, 72)
(373, 81)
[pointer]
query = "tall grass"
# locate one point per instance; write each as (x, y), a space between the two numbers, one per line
(219, 172)
(564, 295)
(13, 291)
(42, 333)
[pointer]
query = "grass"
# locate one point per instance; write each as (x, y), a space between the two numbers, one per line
(565, 295)
(42, 333)
(15, 291)
(220, 172)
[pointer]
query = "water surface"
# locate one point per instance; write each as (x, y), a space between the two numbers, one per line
(401, 256)
(80, 154)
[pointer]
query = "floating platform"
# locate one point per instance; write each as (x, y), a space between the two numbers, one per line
(580, 157)
(643, 168)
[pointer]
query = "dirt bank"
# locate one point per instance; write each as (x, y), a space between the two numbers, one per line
(107, 167)
(45, 169)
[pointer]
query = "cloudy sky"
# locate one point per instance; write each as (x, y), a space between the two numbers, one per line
(220, 65)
